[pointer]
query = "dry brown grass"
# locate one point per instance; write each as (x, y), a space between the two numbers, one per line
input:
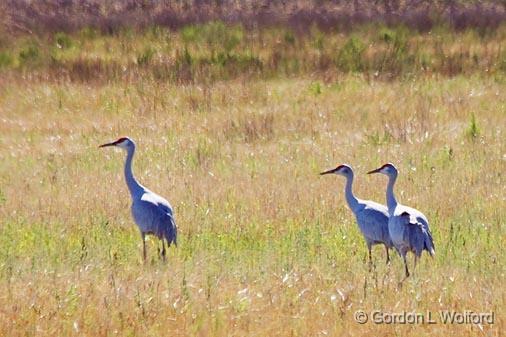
(266, 247)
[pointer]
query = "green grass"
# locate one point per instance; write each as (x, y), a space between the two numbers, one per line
(266, 245)
(214, 51)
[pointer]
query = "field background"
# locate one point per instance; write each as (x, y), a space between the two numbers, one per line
(235, 113)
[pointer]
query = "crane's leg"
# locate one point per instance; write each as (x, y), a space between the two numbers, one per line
(405, 264)
(144, 246)
(163, 250)
(369, 247)
(388, 256)
(158, 249)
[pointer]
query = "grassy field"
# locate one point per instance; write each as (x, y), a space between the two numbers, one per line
(266, 245)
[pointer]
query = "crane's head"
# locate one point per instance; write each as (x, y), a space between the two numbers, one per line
(343, 170)
(388, 169)
(124, 142)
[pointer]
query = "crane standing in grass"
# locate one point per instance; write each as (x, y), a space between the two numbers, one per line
(152, 213)
(372, 218)
(408, 227)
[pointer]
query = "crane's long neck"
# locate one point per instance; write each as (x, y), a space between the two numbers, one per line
(135, 188)
(348, 192)
(391, 201)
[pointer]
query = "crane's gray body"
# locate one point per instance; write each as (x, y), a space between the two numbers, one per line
(408, 227)
(152, 213)
(371, 217)
(409, 230)
(372, 220)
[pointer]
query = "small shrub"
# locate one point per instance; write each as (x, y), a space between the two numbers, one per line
(5, 59)
(3, 198)
(216, 34)
(29, 54)
(446, 155)
(248, 61)
(350, 56)
(400, 43)
(156, 32)
(220, 36)
(318, 42)
(289, 38)
(473, 130)
(386, 35)
(89, 33)
(425, 61)
(183, 71)
(62, 40)
(318, 38)
(186, 58)
(316, 88)
(145, 57)
(397, 55)
(190, 34)
(502, 63)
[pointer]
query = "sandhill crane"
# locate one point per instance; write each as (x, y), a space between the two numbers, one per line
(372, 218)
(152, 213)
(408, 227)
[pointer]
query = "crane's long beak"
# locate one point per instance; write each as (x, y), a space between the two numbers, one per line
(108, 144)
(375, 171)
(328, 172)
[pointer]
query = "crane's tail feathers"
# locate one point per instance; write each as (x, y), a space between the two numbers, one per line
(429, 244)
(173, 232)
